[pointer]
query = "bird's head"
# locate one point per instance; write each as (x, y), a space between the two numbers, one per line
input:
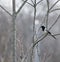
(43, 28)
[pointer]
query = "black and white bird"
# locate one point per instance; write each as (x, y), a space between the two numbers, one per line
(44, 29)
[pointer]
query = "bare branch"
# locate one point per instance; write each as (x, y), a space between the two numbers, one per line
(27, 53)
(40, 40)
(54, 10)
(39, 37)
(5, 10)
(54, 22)
(32, 1)
(32, 46)
(46, 56)
(54, 4)
(39, 2)
(29, 4)
(21, 6)
(56, 34)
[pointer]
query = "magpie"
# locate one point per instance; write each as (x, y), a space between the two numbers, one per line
(44, 29)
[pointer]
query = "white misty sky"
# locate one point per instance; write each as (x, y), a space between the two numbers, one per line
(6, 2)
(8, 5)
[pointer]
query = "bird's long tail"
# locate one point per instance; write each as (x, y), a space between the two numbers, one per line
(51, 34)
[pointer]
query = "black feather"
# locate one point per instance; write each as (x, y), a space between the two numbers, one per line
(43, 28)
(51, 34)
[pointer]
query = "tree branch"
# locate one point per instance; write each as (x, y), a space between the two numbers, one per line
(54, 22)
(32, 1)
(54, 10)
(54, 4)
(56, 34)
(5, 10)
(39, 2)
(36, 42)
(21, 6)
(29, 4)
(33, 45)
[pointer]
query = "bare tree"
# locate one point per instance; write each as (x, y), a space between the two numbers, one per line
(35, 40)
(14, 25)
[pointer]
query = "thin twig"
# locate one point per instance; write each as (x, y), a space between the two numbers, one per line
(29, 4)
(56, 34)
(54, 22)
(39, 2)
(32, 46)
(40, 39)
(54, 10)
(5, 10)
(21, 6)
(32, 1)
(54, 4)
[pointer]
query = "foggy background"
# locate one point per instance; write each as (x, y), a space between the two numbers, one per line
(48, 47)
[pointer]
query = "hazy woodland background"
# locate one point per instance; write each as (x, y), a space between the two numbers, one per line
(48, 50)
